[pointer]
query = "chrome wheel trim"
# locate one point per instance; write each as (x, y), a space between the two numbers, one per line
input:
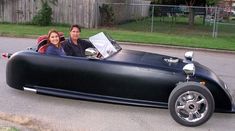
(191, 106)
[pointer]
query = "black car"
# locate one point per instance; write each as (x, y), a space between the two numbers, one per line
(190, 90)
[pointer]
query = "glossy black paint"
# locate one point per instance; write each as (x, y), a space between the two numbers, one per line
(128, 77)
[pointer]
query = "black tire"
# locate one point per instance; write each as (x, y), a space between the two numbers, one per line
(191, 100)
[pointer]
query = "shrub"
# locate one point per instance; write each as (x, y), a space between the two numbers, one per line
(107, 15)
(43, 16)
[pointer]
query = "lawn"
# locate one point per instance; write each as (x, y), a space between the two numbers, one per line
(123, 34)
(179, 25)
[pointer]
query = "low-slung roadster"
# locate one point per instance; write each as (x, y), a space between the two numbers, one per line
(191, 91)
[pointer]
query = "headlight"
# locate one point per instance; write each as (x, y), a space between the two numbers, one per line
(189, 69)
(189, 55)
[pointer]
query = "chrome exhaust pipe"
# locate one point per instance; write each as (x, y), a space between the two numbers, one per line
(30, 89)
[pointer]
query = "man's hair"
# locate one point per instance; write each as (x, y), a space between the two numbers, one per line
(75, 26)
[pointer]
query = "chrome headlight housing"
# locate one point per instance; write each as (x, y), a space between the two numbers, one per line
(189, 70)
(189, 56)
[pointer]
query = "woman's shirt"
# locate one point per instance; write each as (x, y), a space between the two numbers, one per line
(53, 50)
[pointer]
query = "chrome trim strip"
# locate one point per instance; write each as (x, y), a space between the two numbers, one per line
(30, 89)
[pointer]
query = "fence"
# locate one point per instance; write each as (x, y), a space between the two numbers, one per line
(65, 11)
(17, 11)
(193, 21)
(83, 12)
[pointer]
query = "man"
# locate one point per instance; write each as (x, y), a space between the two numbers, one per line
(74, 46)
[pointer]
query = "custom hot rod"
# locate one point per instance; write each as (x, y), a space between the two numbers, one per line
(191, 91)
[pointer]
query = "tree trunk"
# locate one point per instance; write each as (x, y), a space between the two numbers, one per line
(191, 16)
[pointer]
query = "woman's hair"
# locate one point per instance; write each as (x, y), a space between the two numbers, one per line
(49, 34)
(75, 26)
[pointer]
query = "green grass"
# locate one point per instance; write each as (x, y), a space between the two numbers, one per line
(8, 129)
(159, 38)
(179, 25)
(121, 34)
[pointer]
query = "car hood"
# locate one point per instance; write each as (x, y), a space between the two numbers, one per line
(147, 59)
(160, 61)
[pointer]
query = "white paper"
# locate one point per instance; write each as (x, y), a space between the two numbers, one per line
(102, 44)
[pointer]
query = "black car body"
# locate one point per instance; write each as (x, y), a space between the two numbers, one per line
(124, 76)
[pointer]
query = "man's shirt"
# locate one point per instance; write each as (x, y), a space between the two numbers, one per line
(76, 50)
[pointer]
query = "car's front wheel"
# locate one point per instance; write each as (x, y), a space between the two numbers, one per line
(191, 104)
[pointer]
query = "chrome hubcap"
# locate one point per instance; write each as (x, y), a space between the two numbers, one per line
(191, 106)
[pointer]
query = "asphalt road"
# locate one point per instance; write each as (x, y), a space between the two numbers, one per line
(52, 113)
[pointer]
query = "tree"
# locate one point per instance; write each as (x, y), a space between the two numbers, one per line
(212, 2)
(43, 16)
(190, 4)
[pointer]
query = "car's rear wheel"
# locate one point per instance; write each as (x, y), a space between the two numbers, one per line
(191, 104)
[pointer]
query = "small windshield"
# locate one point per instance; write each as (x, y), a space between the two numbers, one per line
(104, 44)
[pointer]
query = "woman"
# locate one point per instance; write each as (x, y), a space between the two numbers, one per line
(54, 45)
(74, 46)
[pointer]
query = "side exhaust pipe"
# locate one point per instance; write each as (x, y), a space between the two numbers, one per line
(30, 90)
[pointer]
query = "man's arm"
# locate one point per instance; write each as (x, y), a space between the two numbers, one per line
(67, 48)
